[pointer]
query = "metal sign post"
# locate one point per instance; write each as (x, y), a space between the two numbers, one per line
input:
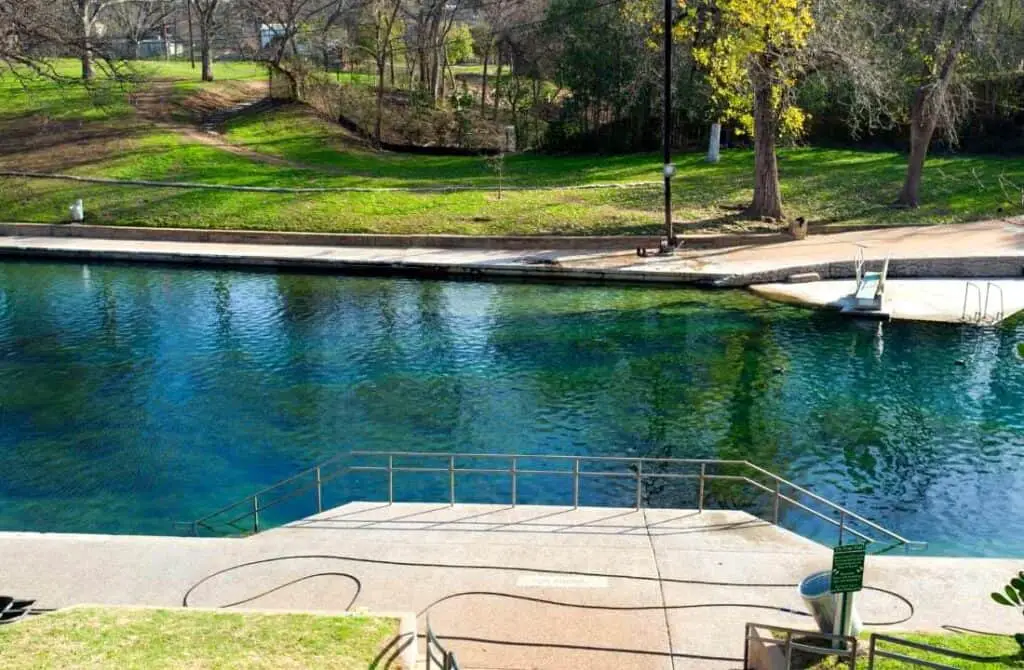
(847, 579)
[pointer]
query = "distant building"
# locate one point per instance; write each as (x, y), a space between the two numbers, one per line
(269, 32)
(148, 48)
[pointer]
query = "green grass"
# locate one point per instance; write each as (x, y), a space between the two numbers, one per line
(152, 639)
(827, 186)
(67, 98)
(999, 651)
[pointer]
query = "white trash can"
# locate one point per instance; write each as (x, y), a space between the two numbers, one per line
(825, 605)
(77, 211)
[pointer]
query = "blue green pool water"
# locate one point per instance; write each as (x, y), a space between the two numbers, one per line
(132, 397)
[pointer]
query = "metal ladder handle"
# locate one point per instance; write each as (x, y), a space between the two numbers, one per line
(988, 292)
(967, 293)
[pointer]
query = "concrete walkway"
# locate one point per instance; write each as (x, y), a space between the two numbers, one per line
(986, 249)
(523, 587)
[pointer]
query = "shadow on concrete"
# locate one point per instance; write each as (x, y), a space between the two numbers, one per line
(544, 522)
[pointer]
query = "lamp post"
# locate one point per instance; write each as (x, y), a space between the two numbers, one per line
(666, 134)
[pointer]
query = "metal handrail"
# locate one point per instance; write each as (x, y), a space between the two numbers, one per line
(436, 653)
(848, 650)
(988, 290)
(874, 652)
(967, 293)
(640, 470)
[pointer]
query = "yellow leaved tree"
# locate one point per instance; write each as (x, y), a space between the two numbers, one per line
(752, 53)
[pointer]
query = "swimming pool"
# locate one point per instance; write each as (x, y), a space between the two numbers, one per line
(135, 396)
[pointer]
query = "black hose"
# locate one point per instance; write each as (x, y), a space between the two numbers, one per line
(456, 566)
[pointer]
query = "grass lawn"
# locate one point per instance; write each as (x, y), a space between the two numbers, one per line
(151, 639)
(291, 147)
(999, 652)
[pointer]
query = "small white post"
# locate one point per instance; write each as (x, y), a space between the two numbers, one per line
(77, 211)
(715, 143)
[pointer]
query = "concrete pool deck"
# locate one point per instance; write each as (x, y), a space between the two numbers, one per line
(490, 577)
(915, 299)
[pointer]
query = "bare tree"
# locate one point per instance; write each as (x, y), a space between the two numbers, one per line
(206, 13)
(137, 19)
(378, 34)
(289, 16)
(432, 23)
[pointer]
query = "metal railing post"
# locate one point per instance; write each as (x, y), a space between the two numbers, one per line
(319, 492)
(576, 483)
(391, 479)
(515, 477)
(700, 490)
(775, 505)
(842, 525)
(871, 651)
(789, 650)
(639, 483)
(255, 514)
(451, 479)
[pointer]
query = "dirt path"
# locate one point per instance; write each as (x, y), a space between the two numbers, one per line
(159, 105)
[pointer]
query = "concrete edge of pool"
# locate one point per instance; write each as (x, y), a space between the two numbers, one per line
(535, 586)
(991, 251)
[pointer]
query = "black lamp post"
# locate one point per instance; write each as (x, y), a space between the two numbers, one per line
(666, 134)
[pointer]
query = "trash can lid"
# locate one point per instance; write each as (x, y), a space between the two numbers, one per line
(816, 585)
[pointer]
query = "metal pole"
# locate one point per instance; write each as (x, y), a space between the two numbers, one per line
(775, 507)
(666, 139)
(391, 479)
(319, 492)
(255, 514)
(515, 476)
(700, 493)
(639, 483)
(576, 483)
(451, 479)
(842, 525)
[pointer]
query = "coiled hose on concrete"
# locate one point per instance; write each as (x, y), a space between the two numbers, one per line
(545, 601)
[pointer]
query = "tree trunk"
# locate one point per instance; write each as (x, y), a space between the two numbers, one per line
(483, 87)
(497, 85)
(423, 62)
(204, 47)
(392, 67)
(923, 120)
(207, 64)
(437, 74)
(378, 126)
(87, 69)
(767, 197)
(922, 127)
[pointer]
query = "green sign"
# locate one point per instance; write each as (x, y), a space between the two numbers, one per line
(848, 568)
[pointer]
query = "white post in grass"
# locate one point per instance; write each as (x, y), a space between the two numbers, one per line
(715, 143)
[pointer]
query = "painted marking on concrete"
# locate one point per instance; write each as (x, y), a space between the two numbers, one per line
(562, 582)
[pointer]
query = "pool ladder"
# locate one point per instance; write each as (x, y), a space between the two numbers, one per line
(980, 315)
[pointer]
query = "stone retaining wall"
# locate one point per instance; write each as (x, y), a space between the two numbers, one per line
(511, 243)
